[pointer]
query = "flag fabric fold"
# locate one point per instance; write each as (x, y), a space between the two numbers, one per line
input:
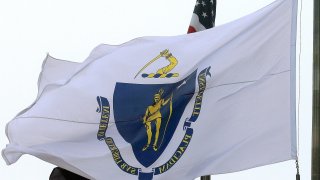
(216, 101)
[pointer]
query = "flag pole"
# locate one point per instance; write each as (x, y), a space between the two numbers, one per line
(205, 177)
(316, 95)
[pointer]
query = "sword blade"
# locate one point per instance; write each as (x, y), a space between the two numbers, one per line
(150, 62)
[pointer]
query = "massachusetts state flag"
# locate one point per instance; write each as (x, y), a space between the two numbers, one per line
(169, 107)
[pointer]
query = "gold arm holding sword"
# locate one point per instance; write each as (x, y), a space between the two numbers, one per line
(165, 53)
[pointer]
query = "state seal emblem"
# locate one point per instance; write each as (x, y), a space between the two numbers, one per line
(147, 115)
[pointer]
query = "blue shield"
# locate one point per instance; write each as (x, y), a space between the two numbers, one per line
(139, 119)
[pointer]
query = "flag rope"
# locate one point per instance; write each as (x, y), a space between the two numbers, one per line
(297, 167)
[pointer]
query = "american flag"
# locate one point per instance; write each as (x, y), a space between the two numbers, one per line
(203, 16)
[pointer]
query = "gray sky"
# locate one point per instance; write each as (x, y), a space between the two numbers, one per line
(71, 29)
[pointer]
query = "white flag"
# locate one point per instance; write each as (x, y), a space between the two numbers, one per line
(217, 101)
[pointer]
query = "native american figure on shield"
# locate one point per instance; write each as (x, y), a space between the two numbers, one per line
(153, 114)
